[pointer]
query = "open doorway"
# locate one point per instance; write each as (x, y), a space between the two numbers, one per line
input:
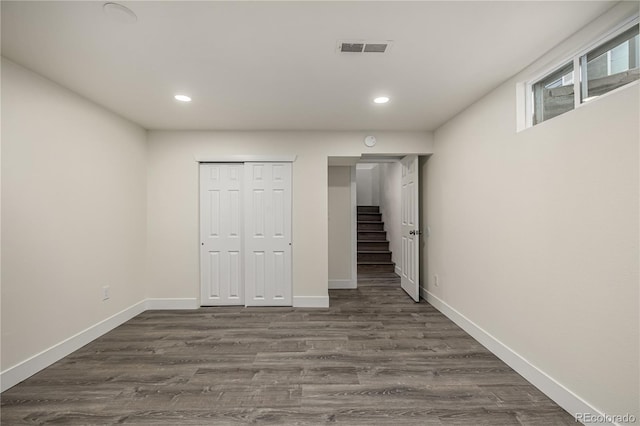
(384, 220)
(378, 222)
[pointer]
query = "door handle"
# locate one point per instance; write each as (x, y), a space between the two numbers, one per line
(415, 232)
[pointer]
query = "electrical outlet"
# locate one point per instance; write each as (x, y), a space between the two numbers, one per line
(436, 280)
(105, 292)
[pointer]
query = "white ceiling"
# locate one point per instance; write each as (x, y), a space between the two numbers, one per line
(273, 65)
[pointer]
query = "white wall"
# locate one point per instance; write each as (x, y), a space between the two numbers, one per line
(368, 184)
(73, 213)
(535, 234)
(340, 227)
(173, 198)
(364, 185)
(390, 190)
(375, 185)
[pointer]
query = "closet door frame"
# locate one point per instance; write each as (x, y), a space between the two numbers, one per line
(286, 297)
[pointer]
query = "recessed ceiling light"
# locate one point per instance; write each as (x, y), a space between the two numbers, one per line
(381, 100)
(182, 98)
(119, 13)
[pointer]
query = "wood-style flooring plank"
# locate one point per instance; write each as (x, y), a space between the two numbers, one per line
(373, 358)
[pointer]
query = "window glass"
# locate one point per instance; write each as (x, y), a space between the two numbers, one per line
(605, 67)
(553, 95)
(611, 65)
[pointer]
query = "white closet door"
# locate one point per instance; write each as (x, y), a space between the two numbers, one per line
(268, 234)
(221, 257)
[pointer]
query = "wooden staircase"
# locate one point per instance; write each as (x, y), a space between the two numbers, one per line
(373, 248)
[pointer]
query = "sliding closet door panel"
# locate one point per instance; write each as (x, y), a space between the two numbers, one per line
(221, 254)
(268, 234)
(279, 274)
(257, 207)
(259, 272)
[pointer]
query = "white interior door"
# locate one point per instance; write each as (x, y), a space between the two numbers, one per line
(268, 234)
(410, 227)
(221, 266)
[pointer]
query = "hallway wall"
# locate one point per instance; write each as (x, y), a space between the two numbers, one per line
(368, 184)
(390, 190)
(340, 227)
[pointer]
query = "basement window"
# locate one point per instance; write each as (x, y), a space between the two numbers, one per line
(554, 94)
(611, 63)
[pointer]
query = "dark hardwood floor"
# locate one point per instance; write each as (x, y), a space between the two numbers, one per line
(375, 357)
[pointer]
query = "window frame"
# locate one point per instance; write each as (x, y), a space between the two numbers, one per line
(579, 61)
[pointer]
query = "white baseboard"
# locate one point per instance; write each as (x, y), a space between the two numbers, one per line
(310, 301)
(398, 271)
(167, 304)
(564, 397)
(27, 368)
(423, 294)
(342, 284)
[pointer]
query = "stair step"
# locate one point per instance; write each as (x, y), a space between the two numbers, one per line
(372, 235)
(373, 245)
(370, 217)
(374, 256)
(366, 267)
(368, 209)
(372, 226)
(382, 276)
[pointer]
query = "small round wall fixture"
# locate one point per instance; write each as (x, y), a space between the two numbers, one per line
(370, 141)
(119, 13)
(381, 100)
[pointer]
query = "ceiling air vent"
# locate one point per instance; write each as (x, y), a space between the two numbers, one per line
(375, 47)
(352, 47)
(364, 46)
